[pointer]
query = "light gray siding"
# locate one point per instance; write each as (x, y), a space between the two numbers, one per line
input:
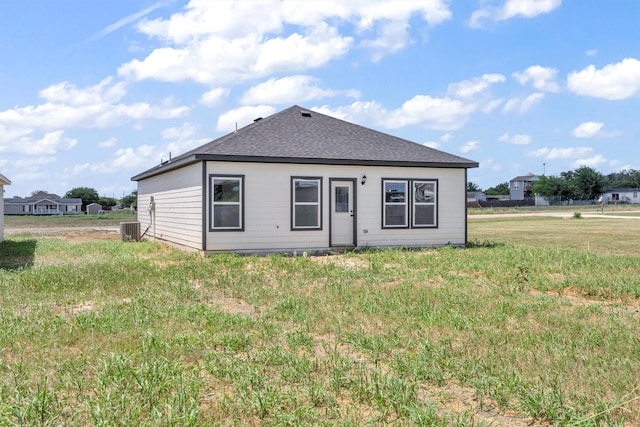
(267, 207)
(178, 206)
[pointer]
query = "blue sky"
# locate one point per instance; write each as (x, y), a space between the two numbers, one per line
(92, 93)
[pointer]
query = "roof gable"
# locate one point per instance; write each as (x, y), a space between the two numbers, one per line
(298, 135)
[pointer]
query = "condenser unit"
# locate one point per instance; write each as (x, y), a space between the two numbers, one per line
(130, 231)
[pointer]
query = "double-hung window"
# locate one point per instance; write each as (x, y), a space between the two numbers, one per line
(409, 203)
(227, 202)
(306, 206)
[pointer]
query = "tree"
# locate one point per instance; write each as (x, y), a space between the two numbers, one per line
(498, 190)
(472, 186)
(625, 178)
(88, 196)
(131, 199)
(587, 183)
(552, 186)
(107, 201)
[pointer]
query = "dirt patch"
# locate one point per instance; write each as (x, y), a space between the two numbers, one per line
(353, 263)
(230, 305)
(576, 298)
(88, 236)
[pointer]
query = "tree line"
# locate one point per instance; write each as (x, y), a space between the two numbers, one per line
(583, 183)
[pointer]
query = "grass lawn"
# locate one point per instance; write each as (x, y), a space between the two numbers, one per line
(536, 323)
(81, 220)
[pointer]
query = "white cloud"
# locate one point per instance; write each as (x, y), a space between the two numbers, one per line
(591, 130)
(561, 152)
(125, 21)
(67, 93)
(433, 113)
(93, 107)
(130, 158)
(590, 161)
(108, 142)
(290, 90)
(224, 42)
(186, 131)
(511, 9)
(469, 146)
(522, 105)
(475, 86)
(591, 52)
(432, 144)
(50, 143)
(542, 78)
(443, 139)
(517, 139)
(613, 82)
(213, 97)
(182, 138)
(242, 116)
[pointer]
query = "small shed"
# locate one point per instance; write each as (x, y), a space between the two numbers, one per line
(94, 208)
(301, 181)
(3, 181)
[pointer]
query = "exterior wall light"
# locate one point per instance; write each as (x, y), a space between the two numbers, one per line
(364, 179)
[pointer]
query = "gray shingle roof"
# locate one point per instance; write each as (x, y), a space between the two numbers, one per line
(299, 135)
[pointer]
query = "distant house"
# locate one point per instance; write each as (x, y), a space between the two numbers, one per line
(42, 203)
(520, 187)
(476, 196)
(621, 195)
(3, 181)
(94, 208)
(301, 181)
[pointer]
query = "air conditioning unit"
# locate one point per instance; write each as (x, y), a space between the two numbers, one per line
(130, 231)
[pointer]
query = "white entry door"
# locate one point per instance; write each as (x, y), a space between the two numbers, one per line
(343, 216)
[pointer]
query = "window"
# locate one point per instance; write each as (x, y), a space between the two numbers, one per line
(305, 203)
(227, 203)
(516, 185)
(395, 212)
(424, 203)
(409, 203)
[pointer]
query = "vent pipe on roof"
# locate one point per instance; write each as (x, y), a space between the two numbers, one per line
(257, 120)
(305, 113)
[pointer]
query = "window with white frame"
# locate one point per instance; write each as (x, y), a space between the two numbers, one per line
(409, 203)
(306, 206)
(227, 203)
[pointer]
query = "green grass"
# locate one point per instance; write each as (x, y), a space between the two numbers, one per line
(80, 220)
(607, 209)
(511, 331)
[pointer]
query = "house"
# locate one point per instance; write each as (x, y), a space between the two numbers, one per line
(621, 195)
(3, 181)
(42, 203)
(476, 196)
(520, 187)
(301, 181)
(94, 208)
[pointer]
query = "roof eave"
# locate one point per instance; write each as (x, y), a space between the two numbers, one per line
(166, 167)
(325, 161)
(171, 165)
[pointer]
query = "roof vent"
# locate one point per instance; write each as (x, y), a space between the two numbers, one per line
(257, 120)
(305, 113)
